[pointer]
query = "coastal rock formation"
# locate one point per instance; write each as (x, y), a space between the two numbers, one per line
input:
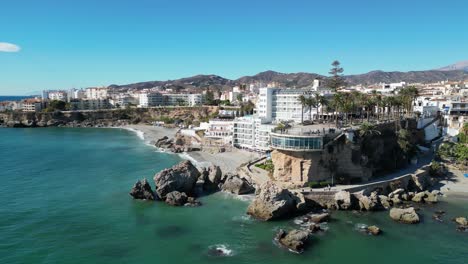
(407, 216)
(164, 142)
(461, 221)
(295, 240)
(272, 202)
(176, 198)
(237, 185)
(192, 202)
(181, 177)
(319, 218)
(345, 200)
(142, 190)
(419, 197)
(211, 178)
(369, 203)
(384, 201)
(374, 230)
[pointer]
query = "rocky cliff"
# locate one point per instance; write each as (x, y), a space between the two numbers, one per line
(114, 117)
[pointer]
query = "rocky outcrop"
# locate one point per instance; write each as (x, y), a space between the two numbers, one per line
(295, 240)
(369, 203)
(164, 142)
(237, 185)
(426, 197)
(374, 230)
(319, 218)
(345, 200)
(176, 198)
(272, 202)
(407, 216)
(461, 221)
(142, 190)
(211, 178)
(181, 177)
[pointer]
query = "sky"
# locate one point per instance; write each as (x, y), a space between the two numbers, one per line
(63, 44)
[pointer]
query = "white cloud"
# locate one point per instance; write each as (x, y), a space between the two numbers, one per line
(8, 47)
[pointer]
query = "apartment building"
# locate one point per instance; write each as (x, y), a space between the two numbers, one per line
(97, 93)
(251, 132)
(32, 105)
(149, 99)
(276, 104)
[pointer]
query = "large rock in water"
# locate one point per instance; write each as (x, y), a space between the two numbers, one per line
(272, 202)
(181, 177)
(176, 198)
(407, 216)
(142, 190)
(212, 178)
(237, 185)
(345, 200)
(295, 240)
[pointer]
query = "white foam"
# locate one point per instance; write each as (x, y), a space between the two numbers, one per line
(222, 249)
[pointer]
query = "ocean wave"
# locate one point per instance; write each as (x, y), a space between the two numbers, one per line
(220, 250)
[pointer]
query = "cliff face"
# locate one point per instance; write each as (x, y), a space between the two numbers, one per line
(104, 117)
(346, 161)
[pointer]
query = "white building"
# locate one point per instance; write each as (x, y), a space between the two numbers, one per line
(97, 93)
(275, 104)
(220, 128)
(90, 104)
(149, 99)
(251, 132)
(184, 99)
(31, 105)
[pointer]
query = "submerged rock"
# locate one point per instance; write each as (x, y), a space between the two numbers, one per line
(181, 177)
(272, 202)
(237, 185)
(374, 230)
(295, 240)
(142, 190)
(176, 198)
(407, 215)
(462, 221)
(319, 218)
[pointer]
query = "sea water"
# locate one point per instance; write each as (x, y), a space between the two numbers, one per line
(64, 199)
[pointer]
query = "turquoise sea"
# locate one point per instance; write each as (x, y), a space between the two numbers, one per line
(64, 199)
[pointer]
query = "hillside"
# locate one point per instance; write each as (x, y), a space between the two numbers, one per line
(300, 79)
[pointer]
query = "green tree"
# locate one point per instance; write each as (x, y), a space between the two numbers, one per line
(209, 97)
(310, 103)
(336, 79)
(303, 101)
(368, 129)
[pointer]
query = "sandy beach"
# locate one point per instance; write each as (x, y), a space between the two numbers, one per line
(227, 161)
(457, 185)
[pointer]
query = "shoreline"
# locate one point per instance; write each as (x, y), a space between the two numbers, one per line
(227, 161)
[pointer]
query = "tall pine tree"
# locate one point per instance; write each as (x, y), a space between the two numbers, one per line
(336, 79)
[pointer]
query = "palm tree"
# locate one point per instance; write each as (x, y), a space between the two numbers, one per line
(322, 101)
(302, 100)
(337, 103)
(368, 129)
(311, 103)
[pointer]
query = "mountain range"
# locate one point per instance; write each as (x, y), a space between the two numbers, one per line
(455, 72)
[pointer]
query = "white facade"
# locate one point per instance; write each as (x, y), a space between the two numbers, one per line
(251, 132)
(184, 99)
(97, 93)
(220, 128)
(31, 105)
(151, 99)
(275, 104)
(90, 104)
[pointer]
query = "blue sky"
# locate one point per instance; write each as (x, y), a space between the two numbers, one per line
(65, 44)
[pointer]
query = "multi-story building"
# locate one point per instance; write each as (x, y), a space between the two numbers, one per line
(220, 128)
(184, 99)
(149, 99)
(275, 104)
(31, 105)
(90, 104)
(251, 132)
(54, 95)
(97, 93)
